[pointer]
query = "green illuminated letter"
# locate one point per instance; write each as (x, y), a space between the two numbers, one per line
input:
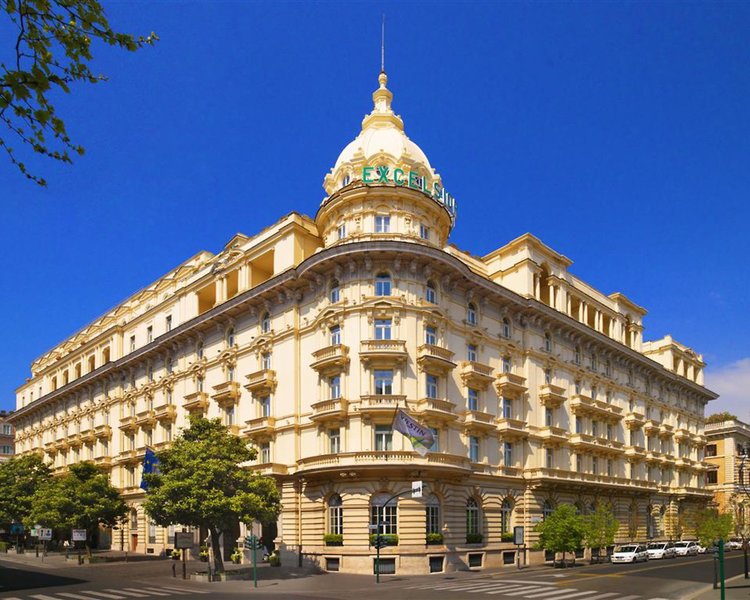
(367, 175)
(398, 176)
(413, 183)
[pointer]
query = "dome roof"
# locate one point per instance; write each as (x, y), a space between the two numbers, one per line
(382, 140)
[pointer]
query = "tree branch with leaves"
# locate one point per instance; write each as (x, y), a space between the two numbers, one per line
(52, 51)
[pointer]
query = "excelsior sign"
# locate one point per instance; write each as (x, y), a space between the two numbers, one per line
(410, 179)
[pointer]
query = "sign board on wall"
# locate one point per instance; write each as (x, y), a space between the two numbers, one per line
(518, 535)
(183, 540)
(45, 534)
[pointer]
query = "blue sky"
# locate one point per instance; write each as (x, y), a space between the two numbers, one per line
(618, 133)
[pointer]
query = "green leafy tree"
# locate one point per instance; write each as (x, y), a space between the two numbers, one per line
(201, 483)
(562, 531)
(20, 478)
(600, 527)
(721, 417)
(83, 498)
(52, 51)
(712, 526)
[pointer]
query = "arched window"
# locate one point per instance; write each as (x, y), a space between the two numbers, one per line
(471, 314)
(265, 323)
(345, 181)
(430, 293)
(506, 511)
(382, 284)
(384, 514)
(230, 337)
(472, 518)
(432, 515)
(506, 328)
(335, 293)
(335, 515)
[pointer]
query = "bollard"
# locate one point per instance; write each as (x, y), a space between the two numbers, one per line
(174, 570)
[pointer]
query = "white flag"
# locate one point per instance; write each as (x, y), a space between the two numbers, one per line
(421, 437)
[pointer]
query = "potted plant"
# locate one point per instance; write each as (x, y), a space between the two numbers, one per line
(176, 555)
(434, 539)
(474, 538)
(389, 538)
(507, 538)
(203, 554)
(333, 539)
(236, 556)
(274, 559)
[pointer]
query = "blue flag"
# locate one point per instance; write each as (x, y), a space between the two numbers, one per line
(150, 465)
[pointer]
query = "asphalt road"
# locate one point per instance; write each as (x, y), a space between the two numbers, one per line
(675, 579)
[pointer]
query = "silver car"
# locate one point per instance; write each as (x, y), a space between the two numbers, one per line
(661, 550)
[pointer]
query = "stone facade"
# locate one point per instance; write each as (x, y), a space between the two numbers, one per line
(305, 339)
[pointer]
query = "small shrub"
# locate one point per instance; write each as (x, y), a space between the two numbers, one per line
(274, 559)
(474, 538)
(236, 557)
(390, 539)
(176, 554)
(434, 538)
(333, 539)
(506, 537)
(4, 546)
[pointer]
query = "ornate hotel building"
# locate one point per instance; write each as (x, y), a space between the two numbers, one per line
(306, 337)
(728, 450)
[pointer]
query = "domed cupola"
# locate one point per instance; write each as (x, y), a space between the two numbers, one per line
(393, 174)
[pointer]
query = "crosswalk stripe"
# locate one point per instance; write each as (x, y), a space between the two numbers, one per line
(79, 596)
(533, 588)
(628, 597)
(156, 590)
(43, 597)
(499, 587)
(133, 594)
(552, 593)
(573, 594)
(603, 596)
(145, 592)
(174, 591)
(518, 590)
(177, 589)
(460, 586)
(102, 594)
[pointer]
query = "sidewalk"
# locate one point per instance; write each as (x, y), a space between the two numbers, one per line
(736, 588)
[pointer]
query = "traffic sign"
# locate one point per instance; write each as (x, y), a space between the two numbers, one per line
(252, 542)
(34, 532)
(79, 535)
(16, 529)
(518, 535)
(416, 489)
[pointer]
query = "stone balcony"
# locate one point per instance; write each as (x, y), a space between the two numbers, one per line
(581, 404)
(476, 375)
(165, 412)
(270, 468)
(195, 402)
(551, 396)
(651, 427)
(681, 435)
(260, 428)
(129, 424)
(634, 420)
(127, 457)
(383, 352)
(431, 358)
(590, 479)
(103, 432)
(477, 420)
(512, 429)
(698, 440)
(635, 452)
(384, 461)
(654, 456)
(330, 359)
(553, 435)
(508, 384)
(683, 462)
(50, 448)
(325, 411)
(226, 393)
(146, 419)
(374, 405)
(665, 430)
(261, 383)
(435, 409)
(103, 461)
(75, 441)
(88, 436)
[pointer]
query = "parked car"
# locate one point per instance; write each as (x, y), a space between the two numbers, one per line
(703, 549)
(733, 544)
(686, 548)
(630, 553)
(661, 550)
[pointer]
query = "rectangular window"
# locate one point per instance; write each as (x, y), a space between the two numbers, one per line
(265, 453)
(149, 334)
(334, 441)
(382, 224)
(436, 436)
(432, 518)
(473, 448)
(334, 387)
(595, 428)
(547, 376)
(712, 477)
(229, 416)
(595, 465)
(132, 343)
(471, 353)
(424, 232)
(506, 364)
(579, 462)
(168, 323)
(548, 417)
(710, 450)
(265, 361)
(508, 454)
(383, 382)
(609, 432)
(507, 407)
(609, 467)
(472, 399)
(550, 458)
(383, 438)
(430, 336)
(431, 386)
(342, 231)
(382, 329)
(579, 425)
(7, 429)
(265, 406)
(152, 533)
(335, 332)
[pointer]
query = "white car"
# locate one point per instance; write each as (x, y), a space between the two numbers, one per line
(733, 545)
(661, 550)
(630, 553)
(686, 548)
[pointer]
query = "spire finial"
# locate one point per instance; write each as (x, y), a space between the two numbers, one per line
(382, 45)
